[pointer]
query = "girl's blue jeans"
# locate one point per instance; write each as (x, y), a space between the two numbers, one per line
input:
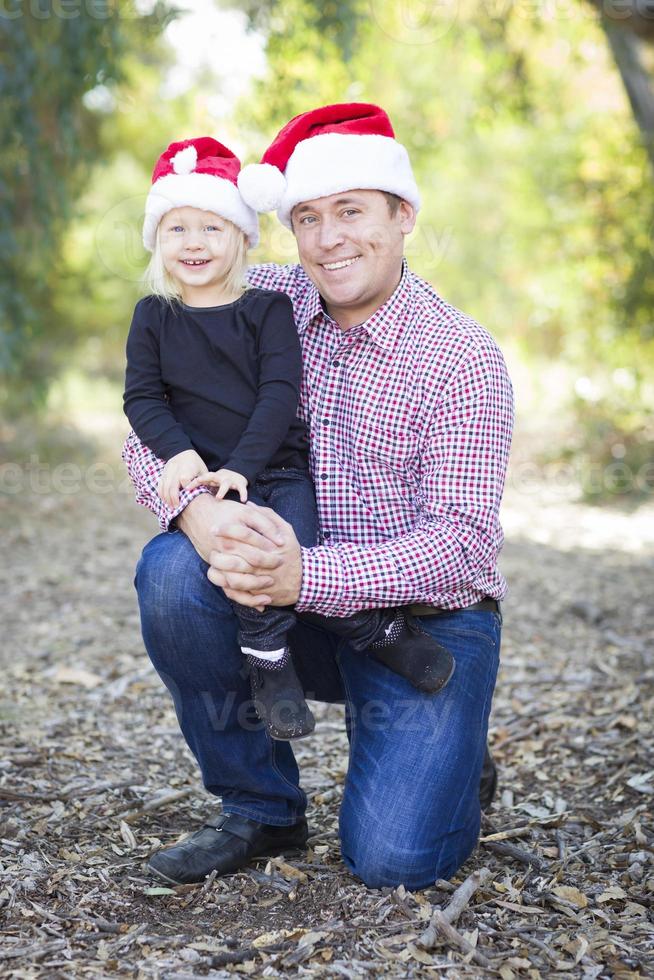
(410, 812)
(289, 492)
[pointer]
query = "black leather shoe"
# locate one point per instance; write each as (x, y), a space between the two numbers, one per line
(224, 844)
(488, 781)
(279, 700)
(415, 655)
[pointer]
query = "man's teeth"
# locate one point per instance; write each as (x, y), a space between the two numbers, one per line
(340, 265)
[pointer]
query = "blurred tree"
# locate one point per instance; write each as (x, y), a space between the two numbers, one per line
(102, 256)
(337, 21)
(54, 57)
(537, 195)
(629, 25)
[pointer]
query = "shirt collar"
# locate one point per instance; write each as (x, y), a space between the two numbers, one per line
(386, 324)
(313, 308)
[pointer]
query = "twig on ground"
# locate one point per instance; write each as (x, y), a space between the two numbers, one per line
(129, 816)
(440, 925)
(560, 843)
(128, 937)
(272, 880)
(230, 957)
(464, 893)
(32, 950)
(72, 794)
(518, 854)
(523, 831)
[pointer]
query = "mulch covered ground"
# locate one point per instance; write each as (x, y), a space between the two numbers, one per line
(94, 776)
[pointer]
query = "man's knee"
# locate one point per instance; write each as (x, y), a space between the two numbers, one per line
(387, 857)
(166, 562)
(188, 624)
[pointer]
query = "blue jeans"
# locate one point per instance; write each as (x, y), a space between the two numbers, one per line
(410, 811)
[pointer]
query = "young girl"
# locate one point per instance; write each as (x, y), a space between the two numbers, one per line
(212, 384)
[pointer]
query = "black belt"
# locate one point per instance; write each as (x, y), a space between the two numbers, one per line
(485, 605)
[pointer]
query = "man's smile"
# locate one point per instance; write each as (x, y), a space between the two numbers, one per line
(341, 264)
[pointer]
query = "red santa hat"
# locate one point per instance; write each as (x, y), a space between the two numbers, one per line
(198, 173)
(331, 149)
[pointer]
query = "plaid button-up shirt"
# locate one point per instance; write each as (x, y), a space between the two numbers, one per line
(410, 417)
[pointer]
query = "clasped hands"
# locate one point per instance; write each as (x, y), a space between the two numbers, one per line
(252, 553)
(257, 561)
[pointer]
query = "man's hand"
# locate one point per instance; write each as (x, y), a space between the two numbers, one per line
(248, 570)
(178, 472)
(204, 513)
(223, 479)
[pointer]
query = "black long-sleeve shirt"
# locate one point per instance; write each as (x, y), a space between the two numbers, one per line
(222, 380)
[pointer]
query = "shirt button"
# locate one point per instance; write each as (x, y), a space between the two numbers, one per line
(323, 476)
(325, 421)
(326, 534)
(336, 363)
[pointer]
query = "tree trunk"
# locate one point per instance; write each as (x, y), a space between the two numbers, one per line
(625, 47)
(632, 16)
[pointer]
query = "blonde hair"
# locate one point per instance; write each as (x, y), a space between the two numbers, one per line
(162, 284)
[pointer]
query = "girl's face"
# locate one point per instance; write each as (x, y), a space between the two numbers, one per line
(197, 248)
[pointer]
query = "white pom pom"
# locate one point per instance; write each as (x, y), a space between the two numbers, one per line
(262, 186)
(185, 161)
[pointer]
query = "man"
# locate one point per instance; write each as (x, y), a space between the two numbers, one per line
(410, 411)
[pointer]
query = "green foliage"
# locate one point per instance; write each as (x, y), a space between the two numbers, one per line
(335, 22)
(538, 203)
(51, 55)
(102, 255)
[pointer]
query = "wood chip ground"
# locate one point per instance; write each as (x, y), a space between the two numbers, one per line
(94, 776)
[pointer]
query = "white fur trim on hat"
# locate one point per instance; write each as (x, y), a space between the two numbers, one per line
(333, 162)
(195, 190)
(262, 186)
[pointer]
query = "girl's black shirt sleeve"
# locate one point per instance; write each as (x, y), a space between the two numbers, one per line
(224, 381)
(146, 399)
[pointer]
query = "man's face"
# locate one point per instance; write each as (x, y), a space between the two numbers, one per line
(351, 246)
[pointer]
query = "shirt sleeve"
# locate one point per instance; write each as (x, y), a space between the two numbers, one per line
(280, 373)
(144, 469)
(145, 401)
(464, 455)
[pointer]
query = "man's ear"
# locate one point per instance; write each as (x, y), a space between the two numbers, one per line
(406, 214)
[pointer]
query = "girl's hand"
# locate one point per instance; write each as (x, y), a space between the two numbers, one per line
(223, 479)
(179, 472)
